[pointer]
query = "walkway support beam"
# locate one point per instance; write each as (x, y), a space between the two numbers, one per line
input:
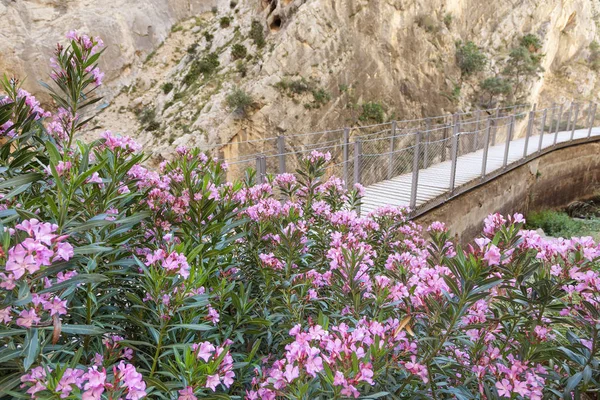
(454, 153)
(415, 172)
(345, 145)
(542, 128)
(528, 134)
(560, 113)
(357, 160)
(281, 150)
(509, 134)
(575, 121)
(486, 145)
(392, 149)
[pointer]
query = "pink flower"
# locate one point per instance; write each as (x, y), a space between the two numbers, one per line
(291, 372)
(492, 255)
(205, 350)
(94, 386)
(5, 315)
(64, 251)
(504, 388)
(56, 306)
(187, 394)
(212, 381)
(213, 315)
(27, 318)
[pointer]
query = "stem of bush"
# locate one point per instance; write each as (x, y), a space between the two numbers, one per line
(158, 348)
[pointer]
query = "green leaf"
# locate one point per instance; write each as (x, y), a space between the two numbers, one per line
(21, 180)
(91, 249)
(8, 354)
(82, 329)
(572, 384)
(10, 382)
(193, 327)
(83, 278)
(32, 348)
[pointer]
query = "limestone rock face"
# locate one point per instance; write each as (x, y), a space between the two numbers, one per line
(400, 54)
(131, 30)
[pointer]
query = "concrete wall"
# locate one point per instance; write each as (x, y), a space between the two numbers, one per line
(551, 181)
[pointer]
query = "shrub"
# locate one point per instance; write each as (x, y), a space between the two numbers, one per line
(205, 66)
(224, 22)
(531, 42)
(493, 87)
(208, 36)
(321, 96)
(239, 101)
(121, 282)
(257, 34)
(470, 59)
(238, 51)
(448, 20)
(372, 112)
(560, 224)
(192, 48)
(428, 23)
(594, 55)
(522, 66)
(294, 86)
(241, 68)
(167, 87)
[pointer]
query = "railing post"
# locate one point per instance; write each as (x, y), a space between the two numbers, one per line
(258, 168)
(281, 149)
(392, 149)
(592, 118)
(426, 143)
(543, 127)
(455, 131)
(575, 121)
(558, 119)
(552, 117)
(486, 144)
(261, 168)
(569, 118)
(454, 158)
(345, 145)
(357, 160)
(477, 125)
(495, 124)
(445, 133)
(415, 172)
(528, 134)
(508, 139)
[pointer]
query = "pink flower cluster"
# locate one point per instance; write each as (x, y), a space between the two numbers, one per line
(124, 143)
(338, 348)
(223, 372)
(32, 103)
(41, 248)
(92, 384)
(170, 262)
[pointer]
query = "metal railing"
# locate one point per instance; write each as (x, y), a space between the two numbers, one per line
(466, 146)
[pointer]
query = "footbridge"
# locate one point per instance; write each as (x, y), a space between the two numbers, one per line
(423, 163)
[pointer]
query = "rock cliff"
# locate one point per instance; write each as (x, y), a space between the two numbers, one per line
(306, 65)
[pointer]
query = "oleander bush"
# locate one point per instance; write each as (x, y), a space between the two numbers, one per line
(121, 282)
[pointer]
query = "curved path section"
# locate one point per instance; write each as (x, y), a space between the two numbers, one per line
(425, 188)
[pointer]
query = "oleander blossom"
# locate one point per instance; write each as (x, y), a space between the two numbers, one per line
(210, 354)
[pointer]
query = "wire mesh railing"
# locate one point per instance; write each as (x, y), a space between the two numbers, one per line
(456, 147)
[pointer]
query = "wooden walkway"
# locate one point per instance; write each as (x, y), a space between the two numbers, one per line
(434, 181)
